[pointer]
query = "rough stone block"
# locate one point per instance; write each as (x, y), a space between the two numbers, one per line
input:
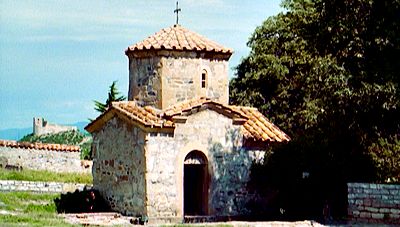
(359, 202)
(389, 204)
(367, 202)
(368, 191)
(375, 192)
(365, 215)
(372, 209)
(386, 197)
(384, 210)
(376, 203)
(395, 211)
(377, 216)
(391, 186)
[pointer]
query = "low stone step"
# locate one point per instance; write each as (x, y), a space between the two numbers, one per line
(40, 186)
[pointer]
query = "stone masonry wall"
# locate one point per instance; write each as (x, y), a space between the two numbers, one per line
(55, 161)
(175, 77)
(40, 187)
(229, 165)
(374, 203)
(145, 81)
(181, 79)
(118, 166)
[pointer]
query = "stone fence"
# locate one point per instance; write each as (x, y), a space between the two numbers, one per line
(38, 156)
(374, 203)
(40, 187)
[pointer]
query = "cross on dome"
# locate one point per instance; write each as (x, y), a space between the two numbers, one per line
(177, 10)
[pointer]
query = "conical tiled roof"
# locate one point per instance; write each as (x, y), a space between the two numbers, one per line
(178, 38)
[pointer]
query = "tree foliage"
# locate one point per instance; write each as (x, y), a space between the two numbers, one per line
(71, 137)
(327, 73)
(113, 96)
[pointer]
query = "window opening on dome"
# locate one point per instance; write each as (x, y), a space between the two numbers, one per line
(204, 79)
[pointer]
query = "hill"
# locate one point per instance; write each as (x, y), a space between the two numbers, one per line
(69, 137)
(18, 133)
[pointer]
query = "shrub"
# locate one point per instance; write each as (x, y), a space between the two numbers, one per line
(86, 201)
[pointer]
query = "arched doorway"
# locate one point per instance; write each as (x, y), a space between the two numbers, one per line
(195, 182)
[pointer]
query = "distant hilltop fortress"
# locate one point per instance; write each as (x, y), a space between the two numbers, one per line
(42, 127)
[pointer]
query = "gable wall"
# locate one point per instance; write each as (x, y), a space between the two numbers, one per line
(229, 165)
(119, 166)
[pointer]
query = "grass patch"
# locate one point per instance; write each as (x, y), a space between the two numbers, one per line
(29, 209)
(36, 175)
(22, 201)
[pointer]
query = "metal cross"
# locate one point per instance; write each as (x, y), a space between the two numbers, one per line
(177, 10)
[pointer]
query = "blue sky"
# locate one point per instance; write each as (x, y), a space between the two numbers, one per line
(56, 57)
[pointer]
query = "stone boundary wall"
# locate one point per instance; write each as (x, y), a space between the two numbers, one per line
(40, 187)
(374, 203)
(51, 157)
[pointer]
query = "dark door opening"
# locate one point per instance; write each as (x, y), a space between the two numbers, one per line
(195, 184)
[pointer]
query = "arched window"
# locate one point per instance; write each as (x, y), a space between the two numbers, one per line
(203, 78)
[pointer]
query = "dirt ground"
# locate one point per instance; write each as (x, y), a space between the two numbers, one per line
(110, 219)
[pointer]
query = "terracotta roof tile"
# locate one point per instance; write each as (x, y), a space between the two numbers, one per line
(178, 38)
(187, 107)
(147, 116)
(259, 127)
(39, 146)
(256, 126)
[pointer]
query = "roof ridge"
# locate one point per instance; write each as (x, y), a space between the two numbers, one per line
(177, 38)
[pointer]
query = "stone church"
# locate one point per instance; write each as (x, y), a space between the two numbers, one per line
(177, 148)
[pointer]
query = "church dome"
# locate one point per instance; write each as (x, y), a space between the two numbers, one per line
(178, 38)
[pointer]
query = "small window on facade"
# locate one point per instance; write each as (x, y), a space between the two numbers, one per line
(203, 79)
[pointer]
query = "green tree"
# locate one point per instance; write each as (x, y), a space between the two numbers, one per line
(113, 96)
(327, 73)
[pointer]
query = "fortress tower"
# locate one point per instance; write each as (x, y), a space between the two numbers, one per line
(41, 127)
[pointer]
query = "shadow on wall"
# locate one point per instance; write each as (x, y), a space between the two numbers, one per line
(231, 172)
(86, 201)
